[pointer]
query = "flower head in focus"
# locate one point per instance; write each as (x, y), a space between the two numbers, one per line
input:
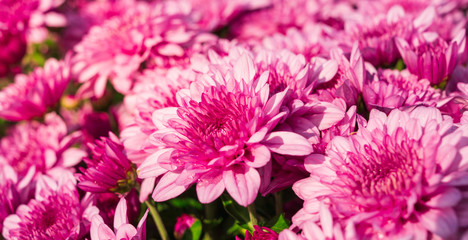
(219, 135)
(400, 176)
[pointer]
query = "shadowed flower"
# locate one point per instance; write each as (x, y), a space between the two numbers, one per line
(183, 223)
(431, 57)
(260, 233)
(393, 89)
(9, 196)
(32, 95)
(401, 176)
(109, 170)
(219, 135)
(55, 213)
(123, 230)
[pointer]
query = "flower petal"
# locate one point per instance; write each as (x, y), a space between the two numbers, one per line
(288, 143)
(242, 183)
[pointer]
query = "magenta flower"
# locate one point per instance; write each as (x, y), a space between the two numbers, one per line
(122, 228)
(431, 57)
(183, 223)
(147, 96)
(260, 233)
(33, 148)
(219, 135)
(34, 94)
(109, 170)
(376, 34)
(55, 213)
(116, 48)
(348, 81)
(398, 177)
(393, 89)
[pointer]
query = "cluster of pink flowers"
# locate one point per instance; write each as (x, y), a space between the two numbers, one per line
(232, 119)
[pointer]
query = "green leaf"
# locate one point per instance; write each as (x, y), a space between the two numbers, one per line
(279, 224)
(239, 213)
(186, 203)
(194, 232)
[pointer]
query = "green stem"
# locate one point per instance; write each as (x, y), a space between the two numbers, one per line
(252, 214)
(210, 214)
(157, 220)
(278, 203)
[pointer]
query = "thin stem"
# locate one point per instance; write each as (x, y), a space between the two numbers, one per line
(252, 214)
(210, 214)
(278, 203)
(157, 220)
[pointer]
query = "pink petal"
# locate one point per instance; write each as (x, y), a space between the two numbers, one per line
(242, 183)
(105, 233)
(126, 231)
(167, 189)
(288, 143)
(244, 68)
(120, 217)
(150, 167)
(447, 198)
(210, 186)
(259, 156)
(442, 222)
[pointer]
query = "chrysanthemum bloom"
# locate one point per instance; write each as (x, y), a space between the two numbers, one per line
(34, 94)
(376, 34)
(82, 15)
(109, 170)
(219, 135)
(393, 89)
(398, 177)
(183, 223)
(153, 90)
(122, 228)
(324, 228)
(307, 42)
(116, 48)
(260, 233)
(31, 17)
(33, 148)
(348, 81)
(431, 57)
(55, 213)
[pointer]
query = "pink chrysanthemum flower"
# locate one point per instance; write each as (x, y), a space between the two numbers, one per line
(376, 34)
(393, 89)
(154, 89)
(431, 57)
(55, 213)
(116, 48)
(123, 230)
(31, 17)
(348, 80)
(109, 169)
(398, 177)
(183, 223)
(219, 135)
(34, 94)
(33, 148)
(86, 14)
